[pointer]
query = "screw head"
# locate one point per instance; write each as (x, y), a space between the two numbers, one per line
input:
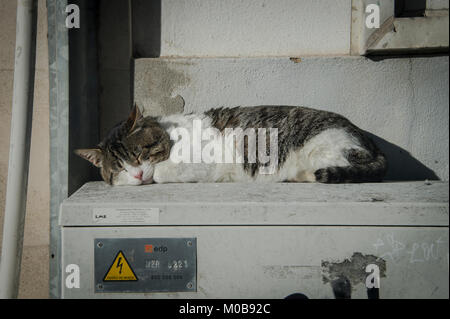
(189, 243)
(189, 285)
(99, 244)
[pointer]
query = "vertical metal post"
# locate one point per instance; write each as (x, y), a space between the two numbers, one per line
(19, 152)
(58, 55)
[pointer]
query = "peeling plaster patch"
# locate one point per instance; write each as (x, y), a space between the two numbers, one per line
(156, 87)
(353, 269)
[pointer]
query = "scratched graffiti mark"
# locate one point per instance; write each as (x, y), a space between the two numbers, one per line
(292, 271)
(423, 252)
(418, 252)
(391, 248)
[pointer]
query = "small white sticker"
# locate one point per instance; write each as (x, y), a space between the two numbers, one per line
(125, 216)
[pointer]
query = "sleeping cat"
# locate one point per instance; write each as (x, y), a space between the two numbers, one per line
(305, 145)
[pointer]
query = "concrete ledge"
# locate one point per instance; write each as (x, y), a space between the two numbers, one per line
(382, 204)
(403, 35)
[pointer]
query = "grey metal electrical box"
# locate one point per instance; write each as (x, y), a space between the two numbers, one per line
(255, 240)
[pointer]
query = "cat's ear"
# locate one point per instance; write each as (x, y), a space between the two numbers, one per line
(93, 155)
(134, 116)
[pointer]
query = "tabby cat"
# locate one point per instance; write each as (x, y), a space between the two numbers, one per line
(306, 145)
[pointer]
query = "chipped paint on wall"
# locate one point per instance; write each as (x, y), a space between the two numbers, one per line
(161, 79)
(352, 269)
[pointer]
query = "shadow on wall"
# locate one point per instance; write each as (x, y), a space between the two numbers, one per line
(146, 22)
(402, 166)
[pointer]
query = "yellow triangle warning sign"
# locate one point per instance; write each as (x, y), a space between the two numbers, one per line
(120, 270)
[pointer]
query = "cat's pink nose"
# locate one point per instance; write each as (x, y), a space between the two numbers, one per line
(139, 175)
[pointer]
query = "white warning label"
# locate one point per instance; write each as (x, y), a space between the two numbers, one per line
(125, 216)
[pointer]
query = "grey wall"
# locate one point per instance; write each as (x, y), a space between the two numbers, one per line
(241, 28)
(402, 102)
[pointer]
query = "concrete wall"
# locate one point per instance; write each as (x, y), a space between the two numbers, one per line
(34, 276)
(402, 102)
(244, 28)
(437, 4)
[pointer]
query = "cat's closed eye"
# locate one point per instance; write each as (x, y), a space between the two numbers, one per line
(157, 151)
(146, 151)
(148, 146)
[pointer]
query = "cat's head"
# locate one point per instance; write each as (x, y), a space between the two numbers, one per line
(129, 152)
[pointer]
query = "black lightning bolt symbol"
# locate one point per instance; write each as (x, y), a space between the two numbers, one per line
(119, 264)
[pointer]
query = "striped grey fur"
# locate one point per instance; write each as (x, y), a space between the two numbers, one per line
(296, 126)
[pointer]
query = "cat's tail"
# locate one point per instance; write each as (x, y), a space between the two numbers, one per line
(363, 168)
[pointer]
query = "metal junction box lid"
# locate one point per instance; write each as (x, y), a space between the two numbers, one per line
(377, 204)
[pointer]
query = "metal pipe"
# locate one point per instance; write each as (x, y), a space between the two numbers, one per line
(19, 151)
